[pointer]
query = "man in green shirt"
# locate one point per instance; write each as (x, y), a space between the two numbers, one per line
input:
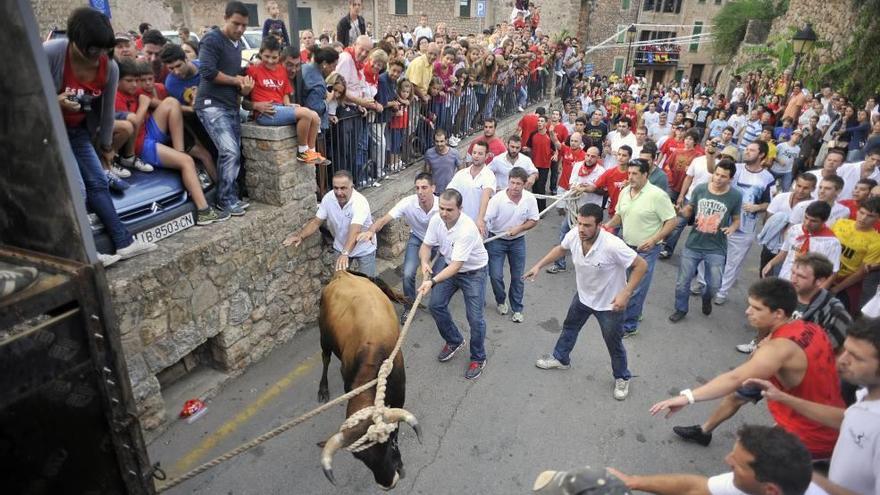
(647, 217)
(716, 207)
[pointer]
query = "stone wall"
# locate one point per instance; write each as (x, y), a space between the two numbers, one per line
(603, 19)
(232, 284)
(833, 21)
(126, 14)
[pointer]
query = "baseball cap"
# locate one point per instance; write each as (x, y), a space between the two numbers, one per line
(679, 126)
(585, 480)
(730, 151)
(122, 37)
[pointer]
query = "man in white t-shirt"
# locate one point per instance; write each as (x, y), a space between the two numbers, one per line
(622, 136)
(764, 460)
(463, 267)
(782, 204)
(855, 462)
(512, 211)
(476, 184)
(347, 213)
(829, 189)
(811, 236)
(833, 161)
(601, 261)
(422, 30)
(851, 173)
(502, 164)
(416, 210)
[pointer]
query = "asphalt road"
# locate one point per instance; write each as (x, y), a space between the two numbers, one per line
(495, 434)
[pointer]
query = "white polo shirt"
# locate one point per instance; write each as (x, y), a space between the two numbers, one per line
(471, 188)
(462, 242)
(794, 241)
(781, 203)
(576, 179)
(339, 219)
(501, 167)
(723, 485)
(838, 211)
(414, 215)
(503, 214)
(601, 272)
(855, 464)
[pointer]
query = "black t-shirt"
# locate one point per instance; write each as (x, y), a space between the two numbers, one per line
(702, 116)
(596, 133)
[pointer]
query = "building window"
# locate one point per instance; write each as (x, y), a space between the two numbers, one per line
(669, 6)
(695, 45)
(649, 5)
(464, 8)
(624, 5)
(304, 17)
(618, 65)
(701, 1)
(253, 14)
(621, 28)
(717, 2)
(401, 7)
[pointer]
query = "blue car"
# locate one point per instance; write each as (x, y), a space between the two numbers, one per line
(156, 206)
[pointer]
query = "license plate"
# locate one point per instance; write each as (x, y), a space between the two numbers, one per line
(167, 229)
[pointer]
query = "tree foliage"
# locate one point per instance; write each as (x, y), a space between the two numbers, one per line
(729, 25)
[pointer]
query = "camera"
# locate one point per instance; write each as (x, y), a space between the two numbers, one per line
(84, 100)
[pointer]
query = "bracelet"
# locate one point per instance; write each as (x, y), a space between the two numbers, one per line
(433, 282)
(689, 394)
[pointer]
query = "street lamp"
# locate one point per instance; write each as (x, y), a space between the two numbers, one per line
(801, 43)
(630, 37)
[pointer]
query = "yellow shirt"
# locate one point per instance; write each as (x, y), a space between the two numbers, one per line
(858, 248)
(420, 72)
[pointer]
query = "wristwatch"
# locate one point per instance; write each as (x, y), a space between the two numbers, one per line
(344, 252)
(689, 394)
(433, 282)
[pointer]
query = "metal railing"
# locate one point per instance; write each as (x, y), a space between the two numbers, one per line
(372, 146)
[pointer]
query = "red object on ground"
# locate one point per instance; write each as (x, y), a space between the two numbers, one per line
(192, 407)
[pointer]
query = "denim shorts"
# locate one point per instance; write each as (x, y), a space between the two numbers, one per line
(154, 136)
(122, 115)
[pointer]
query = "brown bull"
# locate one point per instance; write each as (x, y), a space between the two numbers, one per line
(359, 326)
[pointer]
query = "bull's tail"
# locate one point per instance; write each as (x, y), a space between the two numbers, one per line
(385, 288)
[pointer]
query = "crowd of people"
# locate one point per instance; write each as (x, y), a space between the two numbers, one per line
(630, 168)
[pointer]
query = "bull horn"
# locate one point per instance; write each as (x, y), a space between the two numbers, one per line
(333, 444)
(395, 415)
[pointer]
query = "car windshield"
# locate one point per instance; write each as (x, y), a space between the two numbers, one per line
(254, 39)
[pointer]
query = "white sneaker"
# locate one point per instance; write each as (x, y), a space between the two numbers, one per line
(548, 362)
(621, 389)
(119, 171)
(136, 248)
(503, 308)
(136, 163)
(108, 259)
(520, 109)
(517, 317)
(747, 348)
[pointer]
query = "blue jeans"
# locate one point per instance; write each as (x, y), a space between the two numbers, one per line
(564, 228)
(94, 188)
(411, 265)
(473, 287)
(224, 128)
(637, 301)
(612, 333)
(785, 178)
(283, 116)
(515, 252)
(687, 270)
(366, 264)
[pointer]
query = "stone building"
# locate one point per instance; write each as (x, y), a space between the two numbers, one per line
(599, 20)
(318, 15)
(662, 63)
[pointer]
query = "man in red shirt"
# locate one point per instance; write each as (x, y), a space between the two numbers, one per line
(528, 124)
(558, 128)
(614, 179)
(679, 159)
(570, 154)
(543, 146)
(495, 144)
(795, 355)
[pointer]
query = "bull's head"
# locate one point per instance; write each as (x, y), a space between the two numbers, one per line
(383, 459)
